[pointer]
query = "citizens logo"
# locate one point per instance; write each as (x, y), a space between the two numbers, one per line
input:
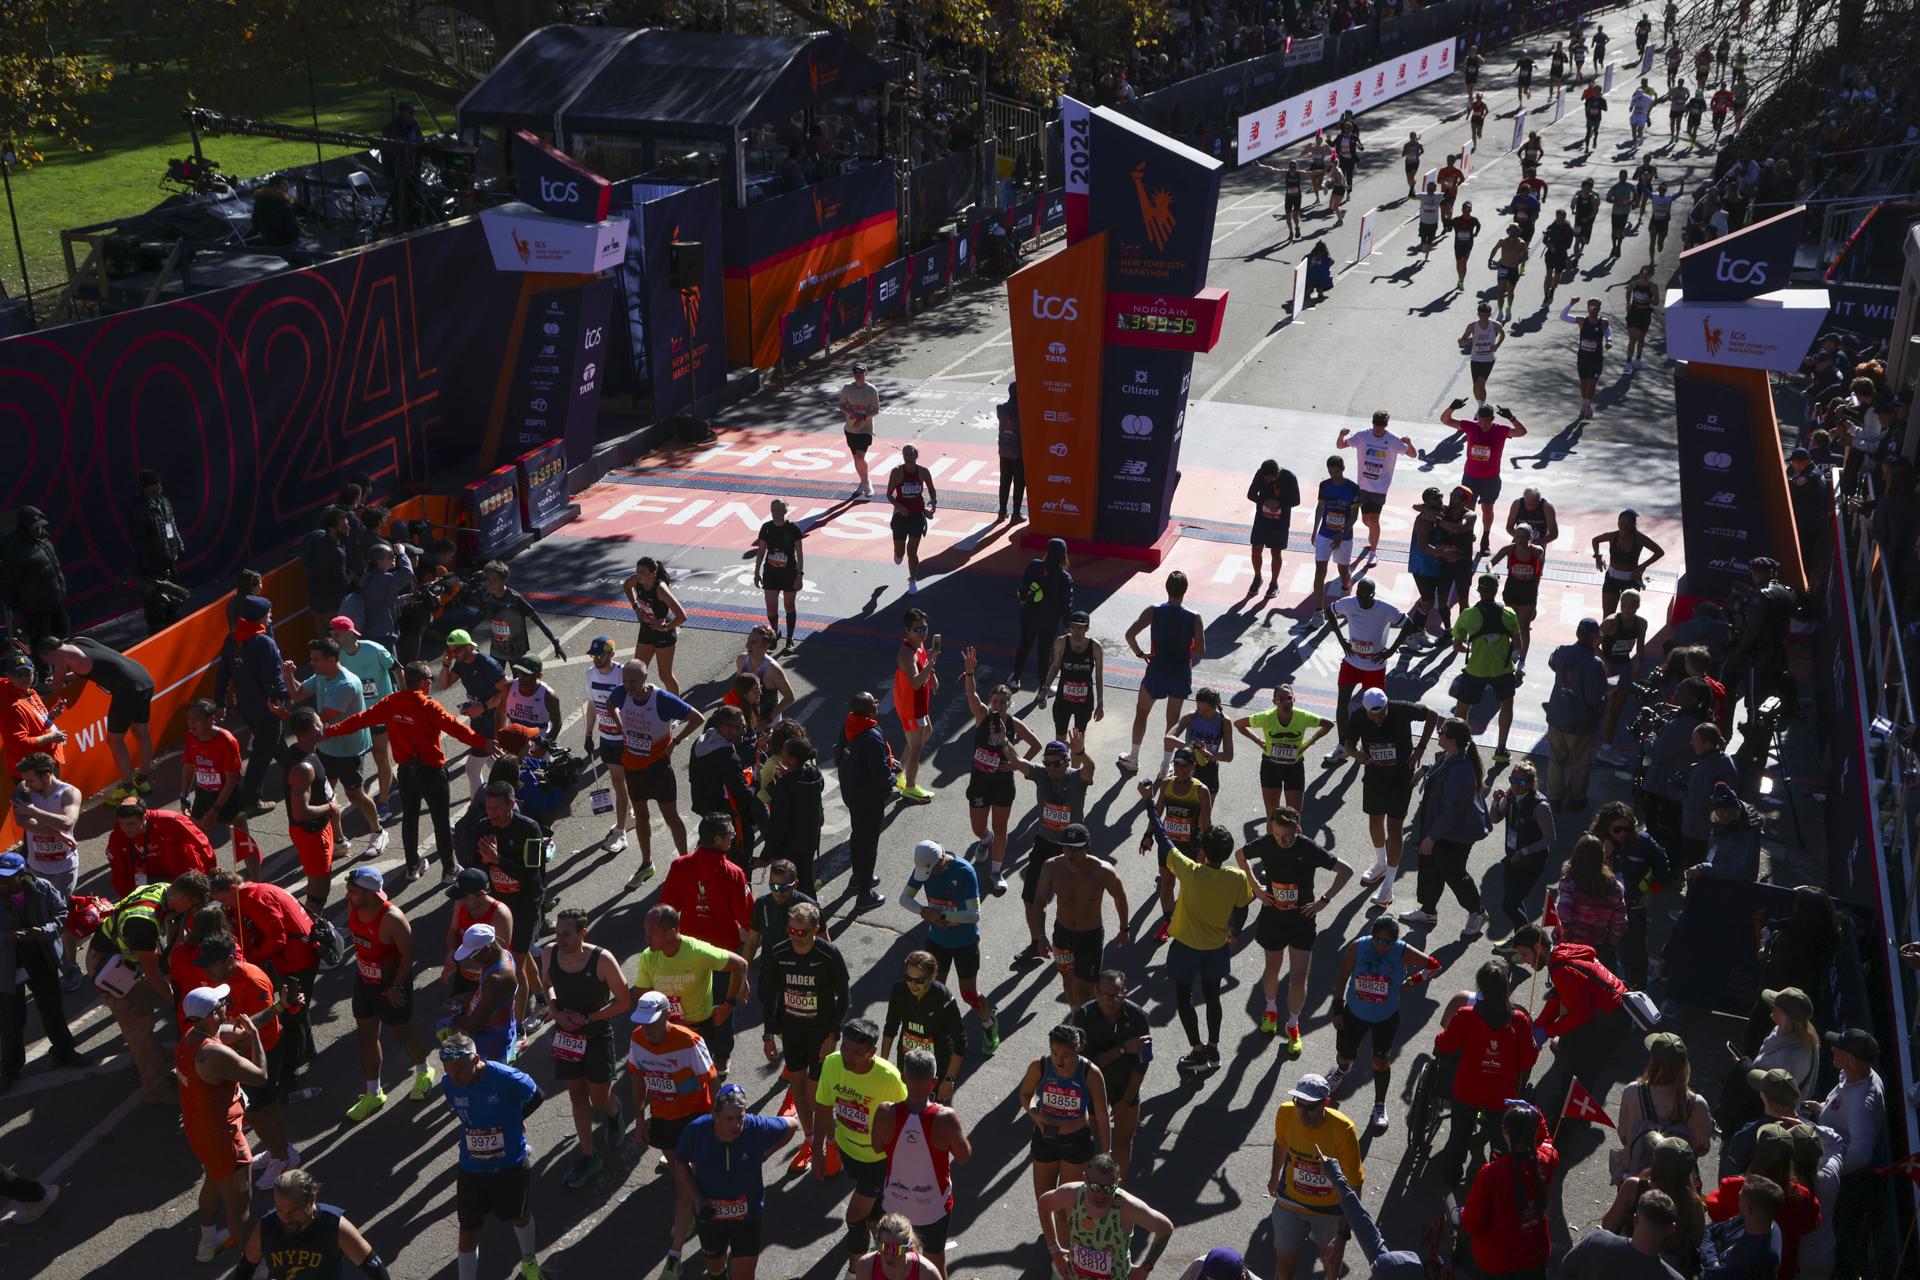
(1141, 385)
(1156, 210)
(1136, 424)
(1717, 461)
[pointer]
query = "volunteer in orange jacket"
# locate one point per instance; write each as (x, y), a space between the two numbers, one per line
(24, 727)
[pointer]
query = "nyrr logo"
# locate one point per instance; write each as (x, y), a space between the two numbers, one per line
(1156, 210)
(1049, 306)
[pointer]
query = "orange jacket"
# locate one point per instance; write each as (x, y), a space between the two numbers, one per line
(23, 717)
(414, 724)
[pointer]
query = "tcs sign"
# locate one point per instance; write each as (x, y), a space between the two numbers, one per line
(1047, 306)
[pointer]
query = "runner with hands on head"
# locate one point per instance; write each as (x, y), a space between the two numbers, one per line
(990, 778)
(1286, 926)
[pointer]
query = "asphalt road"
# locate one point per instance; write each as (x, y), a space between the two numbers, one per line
(1276, 387)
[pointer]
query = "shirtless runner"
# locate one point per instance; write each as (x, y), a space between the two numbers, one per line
(1076, 881)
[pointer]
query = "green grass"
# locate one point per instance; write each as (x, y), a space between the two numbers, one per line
(137, 128)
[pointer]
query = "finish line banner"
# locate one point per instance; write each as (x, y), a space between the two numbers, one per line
(1303, 114)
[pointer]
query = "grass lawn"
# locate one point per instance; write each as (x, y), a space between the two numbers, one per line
(136, 129)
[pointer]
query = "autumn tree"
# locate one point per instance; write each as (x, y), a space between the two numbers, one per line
(45, 76)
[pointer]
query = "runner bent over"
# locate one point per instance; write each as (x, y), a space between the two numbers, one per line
(952, 913)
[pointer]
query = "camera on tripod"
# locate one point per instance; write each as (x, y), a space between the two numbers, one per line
(1654, 710)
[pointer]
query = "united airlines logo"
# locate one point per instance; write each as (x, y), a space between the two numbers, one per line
(1156, 210)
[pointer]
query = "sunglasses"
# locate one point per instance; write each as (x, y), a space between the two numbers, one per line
(1100, 1188)
(798, 933)
(919, 981)
(781, 886)
(917, 630)
(1056, 762)
(893, 1248)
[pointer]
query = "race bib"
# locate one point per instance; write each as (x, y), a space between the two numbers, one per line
(602, 801)
(852, 1114)
(1090, 1263)
(1075, 690)
(369, 971)
(367, 690)
(1179, 826)
(1335, 521)
(909, 490)
(1370, 988)
(804, 1004)
(777, 559)
(1283, 752)
(490, 1141)
(1383, 753)
(1060, 1101)
(207, 778)
(734, 1210)
(1513, 839)
(1063, 958)
(1310, 1177)
(1589, 344)
(1479, 453)
(502, 882)
(1055, 817)
(608, 722)
(674, 1006)
(48, 848)
(1271, 510)
(501, 631)
(1522, 569)
(986, 760)
(639, 742)
(568, 1046)
(1287, 895)
(912, 1040)
(660, 1085)
(1363, 648)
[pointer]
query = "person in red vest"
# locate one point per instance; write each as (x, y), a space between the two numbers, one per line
(1505, 1217)
(156, 843)
(715, 903)
(1493, 1037)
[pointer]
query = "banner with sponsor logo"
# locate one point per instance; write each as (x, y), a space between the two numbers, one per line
(542, 474)
(803, 332)
(493, 511)
(1770, 332)
(1053, 209)
(1056, 309)
(1076, 128)
(889, 291)
(966, 248)
(848, 314)
(554, 182)
(1143, 415)
(942, 188)
(1022, 221)
(1300, 115)
(1721, 492)
(686, 325)
(545, 368)
(930, 269)
(1754, 260)
(1156, 199)
(521, 238)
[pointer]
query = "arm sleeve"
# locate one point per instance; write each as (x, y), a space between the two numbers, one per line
(837, 998)
(952, 1032)
(968, 910)
(1366, 1232)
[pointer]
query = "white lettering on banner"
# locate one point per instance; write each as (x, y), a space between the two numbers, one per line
(558, 192)
(1048, 306)
(1739, 270)
(1280, 123)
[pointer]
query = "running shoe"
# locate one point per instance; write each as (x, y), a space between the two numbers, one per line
(1334, 1078)
(26, 1211)
(386, 812)
(616, 841)
(366, 1106)
(898, 556)
(274, 1168)
(1501, 755)
(833, 1159)
(916, 795)
(1269, 1023)
(803, 1158)
(1127, 764)
(612, 1126)
(1383, 896)
(989, 1035)
(913, 587)
(1377, 1122)
(1475, 926)
(1294, 1047)
(114, 795)
(210, 1247)
(423, 1082)
(584, 1170)
(1607, 755)
(640, 876)
(1335, 756)
(376, 844)
(72, 978)
(530, 1269)
(999, 883)
(1424, 919)
(978, 850)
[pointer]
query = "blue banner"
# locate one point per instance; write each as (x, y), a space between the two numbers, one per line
(803, 332)
(930, 269)
(1053, 209)
(1721, 496)
(848, 314)
(889, 291)
(493, 512)
(1143, 413)
(686, 326)
(966, 247)
(1022, 221)
(1156, 201)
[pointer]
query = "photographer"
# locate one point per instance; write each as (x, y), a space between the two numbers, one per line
(1711, 772)
(1757, 662)
(1668, 758)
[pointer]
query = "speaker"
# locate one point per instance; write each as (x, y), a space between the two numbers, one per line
(689, 264)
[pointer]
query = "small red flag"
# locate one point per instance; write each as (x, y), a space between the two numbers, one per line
(1550, 916)
(1582, 1105)
(1906, 1166)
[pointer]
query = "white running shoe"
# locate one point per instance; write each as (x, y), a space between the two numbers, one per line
(616, 841)
(376, 844)
(1335, 756)
(1383, 896)
(1377, 1122)
(1475, 926)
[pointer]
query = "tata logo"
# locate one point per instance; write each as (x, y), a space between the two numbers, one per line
(1056, 353)
(1049, 306)
(552, 192)
(595, 335)
(1717, 461)
(586, 374)
(1740, 270)
(1139, 425)
(1156, 210)
(1057, 449)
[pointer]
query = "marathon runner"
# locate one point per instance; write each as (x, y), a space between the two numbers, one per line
(1522, 77)
(717, 1169)
(1183, 807)
(1640, 111)
(213, 1061)
(1089, 1226)
(1470, 69)
(1659, 217)
(1178, 640)
(1066, 1098)
(1364, 644)
(1337, 184)
(605, 737)
(1292, 183)
(1479, 342)
(587, 995)
(1596, 339)
(924, 1017)
(1696, 111)
(1335, 505)
(1430, 216)
(1373, 968)
(375, 667)
(1382, 732)
(1623, 641)
(1378, 452)
(514, 850)
(1060, 799)
(660, 616)
(1642, 294)
(1509, 256)
(1286, 927)
(1556, 249)
(1536, 512)
(779, 565)
(1486, 440)
(1532, 151)
(1281, 734)
(1308, 1134)
(1477, 118)
(312, 812)
(1275, 493)
(952, 913)
(1450, 176)
(1115, 1037)
(1078, 677)
(1205, 732)
(1346, 149)
(1599, 51)
(897, 1255)
(336, 696)
(530, 701)
(506, 613)
(1622, 563)
(1317, 155)
(1410, 152)
(302, 1239)
(1641, 31)
(487, 1012)
(776, 691)
(990, 778)
(1673, 59)
(673, 1081)
(911, 490)
(1722, 103)
(1077, 881)
(1586, 208)
(859, 406)
(1526, 562)
(1677, 97)
(1210, 894)
(683, 969)
(923, 1140)
(646, 716)
(492, 1101)
(1594, 104)
(482, 681)
(1487, 634)
(1556, 69)
(853, 1083)
(209, 792)
(1466, 229)
(1578, 48)
(803, 999)
(1620, 207)
(914, 684)
(1645, 174)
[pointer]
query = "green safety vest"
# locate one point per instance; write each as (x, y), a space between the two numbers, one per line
(149, 902)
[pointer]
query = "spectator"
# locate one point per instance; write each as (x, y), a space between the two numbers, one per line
(1772, 1166)
(1661, 1103)
(32, 586)
(24, 726)
(1602, 1255)
(1573, 715)
(1856, 1108)
(1748, 1245)
(324, 552)
(274, 221)
(1591, 903)
(1779, 1099)
(1797, 953)
(1506, 1217)
(867, 770)
(1382, 1263)
(384, 590)
(33, 918)
(1013, 466)
(251, 679)
(1642, 867)
(158, 550)
(1669, 759)
(1710, 770)
(796, 810)
(1733, 842)
(1494, 1038)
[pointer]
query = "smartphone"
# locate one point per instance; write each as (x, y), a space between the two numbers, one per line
(936, 639)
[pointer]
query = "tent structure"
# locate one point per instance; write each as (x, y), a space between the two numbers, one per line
(539, 77)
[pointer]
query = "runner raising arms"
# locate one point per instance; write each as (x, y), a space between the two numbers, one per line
(1373, 969)
(914, 684)
(1285, 929)
(1179, 640)
(990, 779)
(1066, 1098)
(1281, 734)
(1364, 642)
(1486, 441)
(1622, 564)
(1596, 339)
(910, 489)
(779, 565)
(1525, 562)
(1378, 452)
(1275, 493)
(660, 615)
(1292, 184)
(1078, 678)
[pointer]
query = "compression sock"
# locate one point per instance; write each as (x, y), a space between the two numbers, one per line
(1381, 1079)
(524, 1237)
(468, 1265)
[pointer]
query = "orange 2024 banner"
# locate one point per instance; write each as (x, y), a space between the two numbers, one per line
(1057, 309)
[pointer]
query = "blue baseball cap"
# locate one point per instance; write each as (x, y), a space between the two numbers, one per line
(601, 644)
(12, 864)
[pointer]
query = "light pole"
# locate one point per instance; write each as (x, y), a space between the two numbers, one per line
(6, 177)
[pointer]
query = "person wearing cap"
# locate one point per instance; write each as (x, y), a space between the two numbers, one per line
(1733, 839)
(923, 1140)
(1574, 708)
(375, 667)
(1485, 438)
(529, 700)
(492, 1102)
(1076, 677)
(33, 919)
(1778, 1096)
(1810, 490)
(72, 665)
(382, 988)
(1307, 1132)
(338, 695)
(779, 566)
(1060, 781)
(804, 997)
(484, 682)
(1534, 511)
(25, 727)
(1363, 644)
(1078, 881)
(646, 715)
(46, 810)
(1602, 1255)
(605, 737)
(859, 405)
(157, 845)
(1382, 734)
(1373, 969)
(1182, 808)
(1585, 1010)
(951, 910)
(1045, 594)
(506, 613)
(1778, 1149)
(473, 903)
(487, 1014)
(416, 722)
(387, 588)
(673, 1078)
(213, 1060)
(1177, 641)
(1281, 734)
(717, 1169)
(1488, 634)
(1219, 1263)
(1661, 1102)
(251, 994)
(1622, 563)
(1856, 1108)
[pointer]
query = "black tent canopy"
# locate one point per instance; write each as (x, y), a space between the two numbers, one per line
(530, 87)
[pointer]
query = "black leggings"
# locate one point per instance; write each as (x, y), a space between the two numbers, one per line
(1190, 1018)
(1037, 633)
(1446, 867)
(1519, 875)
(1013, 477)
(267, 732)
(15, 1187)
(425, 783)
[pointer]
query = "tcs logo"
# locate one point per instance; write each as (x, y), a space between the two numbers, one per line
(1739, 270)
(1048, 306)
(558, 192)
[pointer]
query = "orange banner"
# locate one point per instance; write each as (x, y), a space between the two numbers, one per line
(1057, 309)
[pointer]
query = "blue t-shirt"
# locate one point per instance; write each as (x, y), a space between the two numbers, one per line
(493, 1133)
(1373, 993)
(480, 678)
(1337, 501)
(954, 887)
(729, 1173)
(340, 695)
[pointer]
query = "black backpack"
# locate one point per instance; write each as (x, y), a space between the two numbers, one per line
(326, 939)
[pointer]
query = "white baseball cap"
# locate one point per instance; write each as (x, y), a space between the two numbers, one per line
(478, 937)
(1374, 700)
(650, 1008)
(926, 856)
(202, 1001)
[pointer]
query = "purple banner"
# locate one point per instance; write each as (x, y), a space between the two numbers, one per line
(889, 291)
(1053, 209)
(686, 327)
(542, 474)
(1720, 492)
(803, 331)
(930, 269)
(848, 313)
(493, 510)
(1023, 221)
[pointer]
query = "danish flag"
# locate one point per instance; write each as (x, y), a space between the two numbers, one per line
(1582, 1105)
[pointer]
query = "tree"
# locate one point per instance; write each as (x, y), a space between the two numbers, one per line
(45, 76)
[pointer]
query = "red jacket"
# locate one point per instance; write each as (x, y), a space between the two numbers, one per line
(23, 717)
(1507, 1227)
(1798, 1215)
(171, 846)
(273, 928)
(414, 723)
(1492, 1060)
(1583, 989)
(712, 896)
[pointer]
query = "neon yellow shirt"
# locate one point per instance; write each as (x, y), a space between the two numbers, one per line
(684, 978)
(854, 1099)
(1208, 898)
(1282, 741)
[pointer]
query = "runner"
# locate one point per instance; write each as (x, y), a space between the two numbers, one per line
(1622, 563)
(1466, 229)
(1596, 339)
(1292, 182)
(1486, 634)
(1382, 732)
(1275, 493)
(212, 1062)
(1532, 151)
(1088, 1226)
(606, 739)
(684, 969)
(1642, 294)
(1599, 51)
(1470, 68)
(1537, 513)
(1722, 103)
(952, 913)
(1509, 258)
(312, 812)
(1645, 174)
(1556, 69)
(382, 989)
(47, 810)
(1337, 184)
(1623, 644)
(1659, 218)
(487, 1014)
(1578, 48)
(1677, 96)
(515, 850)
(1594, 104)
(1281, 734)
(1430, 201)
(1696, 111)
(1183, 807)
(803, 1000)
(1286, 926)
(717, 1169)
(779, 565)
(1586, 208)
(472, 904)
(924, 1016)
(1486, 440)
(859, 406)
(1045, 595)
(1308, 1135)
(482, 681)
(71, 666)
(898, 1253)
(922, 1140)
(1522, 77)
(302, 1237)
(1373, 968)
(1449, 176)
(1674, 57)
(1480, 342)
(911, 491)
(1378, 452)
(1641, 31)
(1334, 507)
(337, 695)
(492, 1101)
(377, 670)
(1640, 111)
(1317, 162)
(660, 616)
(209, 792)
(990, 779)
(1115, 1037)
(1346, 149)
(1210, 893)
(853, 1083)
(1066, 1098)
(1526, 561)
(914, 684)
(645, 717)
(1742, 91)
(587, 995)
(673, 1082)
(1077, 881)
(1178, 638)
(1620, 205)
(1476, 118)
(776, 691)
(1364, 644)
